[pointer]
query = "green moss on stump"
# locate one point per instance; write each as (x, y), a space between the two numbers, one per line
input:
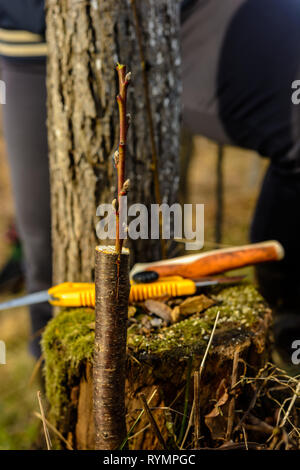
(67, 343)
(69, 338)
(239, 306)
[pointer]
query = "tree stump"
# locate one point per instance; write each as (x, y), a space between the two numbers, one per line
(163, 360)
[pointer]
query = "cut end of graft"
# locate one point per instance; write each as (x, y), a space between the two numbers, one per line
(111, 250)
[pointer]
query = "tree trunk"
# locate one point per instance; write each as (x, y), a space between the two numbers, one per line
(85, 40)
(109, 370)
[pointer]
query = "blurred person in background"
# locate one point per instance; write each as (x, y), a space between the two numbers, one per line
(23, 69)
(239, 60)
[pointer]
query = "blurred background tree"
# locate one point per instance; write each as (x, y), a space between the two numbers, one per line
(85, 41)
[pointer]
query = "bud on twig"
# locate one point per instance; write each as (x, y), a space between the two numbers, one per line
(116, 158)
(115, 205)
(125, 187)
(128, 77)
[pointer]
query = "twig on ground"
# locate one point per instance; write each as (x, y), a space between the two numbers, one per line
(196, 410)
(258, 425)
(242, 446)
(166, 408)
(186, 400)
(46, 432)
(231, 408)
(56, 431)
(296, 394)
(208, 345)
(245, 437)
(36, 368)
(250, 407)
(200, 375)
(152, 421)
(139, 432)
(137, 420)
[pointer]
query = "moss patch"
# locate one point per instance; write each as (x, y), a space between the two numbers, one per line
(69, 338)
(239, 306)
(67, 343)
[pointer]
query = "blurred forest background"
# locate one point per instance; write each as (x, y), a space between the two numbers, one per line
(243, 172)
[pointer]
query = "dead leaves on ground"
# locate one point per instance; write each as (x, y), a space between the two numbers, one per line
(164, 311)
(190, 306)
(160, 309)
(216, 420)
(174, 313)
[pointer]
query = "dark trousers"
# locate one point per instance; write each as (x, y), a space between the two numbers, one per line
(24, 121)
(240, 58)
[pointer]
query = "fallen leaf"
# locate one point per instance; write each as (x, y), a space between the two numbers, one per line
(131, 311)
(217, 408)
(190, 306)
(195, 304)
(160, 309)
(216, 419)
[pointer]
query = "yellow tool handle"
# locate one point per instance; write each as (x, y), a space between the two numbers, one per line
(73, 294)
(171, 288)
(82, 294)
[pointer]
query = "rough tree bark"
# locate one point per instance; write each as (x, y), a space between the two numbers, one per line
(109, 369)
(85, 41)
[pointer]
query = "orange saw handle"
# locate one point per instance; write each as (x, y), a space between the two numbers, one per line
(217, 261)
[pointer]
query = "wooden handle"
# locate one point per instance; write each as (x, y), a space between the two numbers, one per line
(218, 261)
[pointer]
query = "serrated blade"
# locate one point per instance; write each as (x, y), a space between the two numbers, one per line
(210, 281)
(36, 298)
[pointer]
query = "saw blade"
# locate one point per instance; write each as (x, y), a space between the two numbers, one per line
(36, 298)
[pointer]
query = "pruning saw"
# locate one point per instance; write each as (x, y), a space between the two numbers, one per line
(81, 294)
(177, 277)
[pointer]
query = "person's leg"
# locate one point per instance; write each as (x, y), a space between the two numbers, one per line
(238, 69)
(24, 121)
(257, 65)
(239, 64)
(276, 218)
